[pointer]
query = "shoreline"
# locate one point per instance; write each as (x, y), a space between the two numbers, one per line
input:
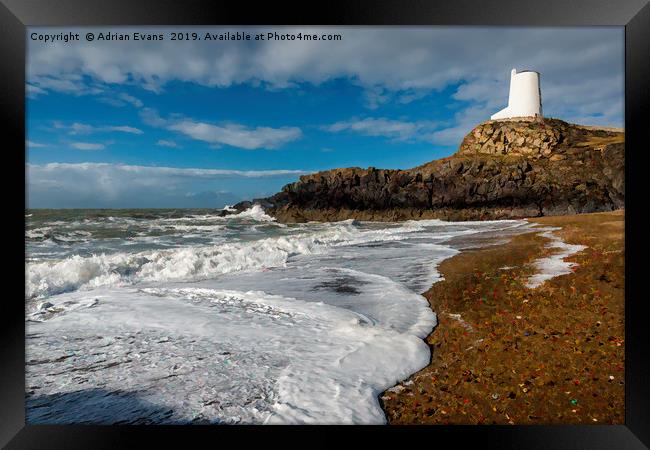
(504, 353)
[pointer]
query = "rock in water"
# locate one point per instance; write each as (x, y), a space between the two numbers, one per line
(503, 169)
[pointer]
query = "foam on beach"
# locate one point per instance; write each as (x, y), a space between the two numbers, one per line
(554, 265)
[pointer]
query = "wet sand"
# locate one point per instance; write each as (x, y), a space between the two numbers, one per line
(503, 353)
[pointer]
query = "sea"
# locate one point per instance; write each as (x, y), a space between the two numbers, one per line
(182, 316)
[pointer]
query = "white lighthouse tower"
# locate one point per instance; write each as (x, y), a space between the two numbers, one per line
(525, 98)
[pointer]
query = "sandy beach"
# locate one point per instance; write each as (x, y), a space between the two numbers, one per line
(506, 353)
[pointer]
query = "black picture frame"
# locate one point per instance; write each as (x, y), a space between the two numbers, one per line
(634, 15)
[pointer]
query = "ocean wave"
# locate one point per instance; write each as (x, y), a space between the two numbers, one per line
(201, 262)
(57, 236)
(185, 263)
(255, 212)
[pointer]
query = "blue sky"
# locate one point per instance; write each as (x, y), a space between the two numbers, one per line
(204, 124)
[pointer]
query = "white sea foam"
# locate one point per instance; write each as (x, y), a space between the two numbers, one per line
(233, 356)
(554, 265)
(256, 212)
(37, 233)
(193, 227)
(196, 263)
(187, 263)
(299, 324)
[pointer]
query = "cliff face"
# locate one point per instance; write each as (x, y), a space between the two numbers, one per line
(503, 169)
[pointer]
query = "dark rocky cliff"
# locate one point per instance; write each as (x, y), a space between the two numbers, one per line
(503, 169)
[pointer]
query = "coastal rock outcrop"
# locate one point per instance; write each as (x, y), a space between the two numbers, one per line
(503, 169)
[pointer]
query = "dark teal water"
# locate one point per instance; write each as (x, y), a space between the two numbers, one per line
(52, 234)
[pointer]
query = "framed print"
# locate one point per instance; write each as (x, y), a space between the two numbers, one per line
(245, 220)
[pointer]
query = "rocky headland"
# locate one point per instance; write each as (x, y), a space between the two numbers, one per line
(503, 170)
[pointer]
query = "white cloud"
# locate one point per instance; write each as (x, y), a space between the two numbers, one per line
(156, 171)
(34, 91)
(464, 121)
(393, 129)
(77, 128)
(375, 96)
(87, 146)
(67, 83)
(389, 63)
(125, 129)
(32, 144)
(130, 99)
(151, 117)
(120, 185)
(235, 135)
(121, 99)
(166, 143)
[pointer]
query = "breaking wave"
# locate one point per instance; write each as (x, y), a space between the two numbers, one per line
(192, 263)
